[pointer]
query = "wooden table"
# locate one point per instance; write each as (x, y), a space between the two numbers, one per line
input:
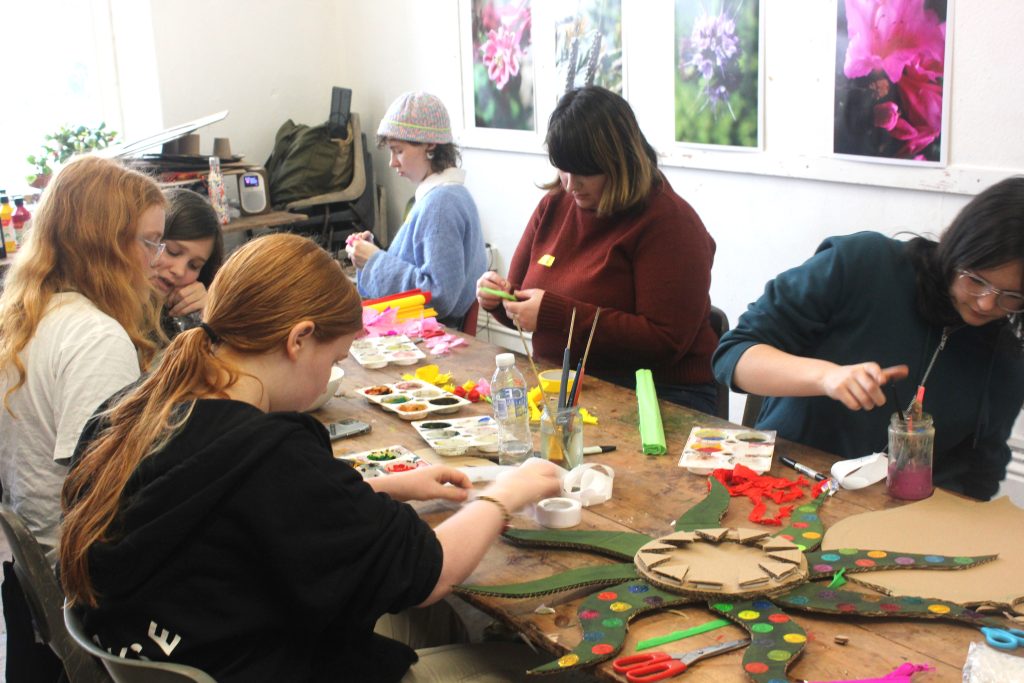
(271, 219)
(649, 493)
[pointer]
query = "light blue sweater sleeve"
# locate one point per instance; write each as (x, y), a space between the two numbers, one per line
(439, 249)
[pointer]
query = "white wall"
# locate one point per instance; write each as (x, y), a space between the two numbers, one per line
(278, 60)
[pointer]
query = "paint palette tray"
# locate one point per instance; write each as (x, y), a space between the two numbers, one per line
(381, 461)
(376, 352)
(711, 448)
(457, 436)
(413, 399)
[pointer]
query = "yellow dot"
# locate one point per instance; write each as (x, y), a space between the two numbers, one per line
(811, 534)
(620, 606)
(938, 609)
(748, 614)
(877, 553)
(794, 638)
(569, 660)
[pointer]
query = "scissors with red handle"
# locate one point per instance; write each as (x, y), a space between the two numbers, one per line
(654, 666)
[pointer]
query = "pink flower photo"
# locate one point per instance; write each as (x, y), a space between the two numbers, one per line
(890, 65)
(502, 69)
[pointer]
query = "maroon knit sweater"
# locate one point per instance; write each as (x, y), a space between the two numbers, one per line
(649, 270)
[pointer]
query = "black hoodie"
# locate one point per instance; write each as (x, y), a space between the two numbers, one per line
(245, 549)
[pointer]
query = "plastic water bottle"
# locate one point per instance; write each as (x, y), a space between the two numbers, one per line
(508, 395)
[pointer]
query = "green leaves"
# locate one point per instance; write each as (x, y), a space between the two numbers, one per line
(60, 146)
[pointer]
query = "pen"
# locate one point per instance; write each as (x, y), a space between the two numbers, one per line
(802, 469)
(594, 450)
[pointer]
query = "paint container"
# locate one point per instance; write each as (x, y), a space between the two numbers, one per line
(561, 435)
(911, 445)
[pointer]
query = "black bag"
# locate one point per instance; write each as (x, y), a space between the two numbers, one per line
(307, 161)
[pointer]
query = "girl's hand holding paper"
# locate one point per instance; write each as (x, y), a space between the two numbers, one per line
(491, 288)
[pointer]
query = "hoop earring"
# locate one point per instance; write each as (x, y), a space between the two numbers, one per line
(430, 155)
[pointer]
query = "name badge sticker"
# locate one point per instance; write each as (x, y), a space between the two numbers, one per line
(547, 260)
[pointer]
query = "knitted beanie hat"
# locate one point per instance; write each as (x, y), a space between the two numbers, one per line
(417, 117)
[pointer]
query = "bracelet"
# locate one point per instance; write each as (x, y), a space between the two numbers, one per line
(506, 517)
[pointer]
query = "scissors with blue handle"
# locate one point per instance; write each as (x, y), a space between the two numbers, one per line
(654, 666)
(1003, 638)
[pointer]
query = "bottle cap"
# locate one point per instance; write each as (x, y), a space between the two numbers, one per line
(19, 201)
(505, 360)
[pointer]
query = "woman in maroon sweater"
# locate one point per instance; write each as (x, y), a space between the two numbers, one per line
(612, 233)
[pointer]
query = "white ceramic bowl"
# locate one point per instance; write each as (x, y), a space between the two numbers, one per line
(337, 374)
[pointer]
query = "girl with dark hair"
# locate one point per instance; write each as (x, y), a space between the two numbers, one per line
(440, 246)
(195, 250)
(205, 506)
(827, 336)
(611, 233)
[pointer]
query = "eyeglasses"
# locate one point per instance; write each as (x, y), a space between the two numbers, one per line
(156, 248)
(975, 285)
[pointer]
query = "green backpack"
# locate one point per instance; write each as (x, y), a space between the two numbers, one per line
(307, 162)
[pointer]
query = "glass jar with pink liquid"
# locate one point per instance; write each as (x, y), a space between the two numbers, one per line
(911, 443)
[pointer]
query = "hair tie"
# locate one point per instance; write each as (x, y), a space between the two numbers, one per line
(214, 339)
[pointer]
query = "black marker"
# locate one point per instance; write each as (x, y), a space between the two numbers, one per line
(802, 469)
(594, 450)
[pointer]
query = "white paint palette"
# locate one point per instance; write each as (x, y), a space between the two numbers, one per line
(413, 399)
(382, 461)
(457, 436)
(711, 448)
(377, 352)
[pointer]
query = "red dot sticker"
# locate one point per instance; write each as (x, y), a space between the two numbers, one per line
(788, 537)
(602, 649)
(800, 525)
(889, 607)
(846, 607)
(607, 595)
(778, 618)
(755, 667)
(589, 614)
(864, 562)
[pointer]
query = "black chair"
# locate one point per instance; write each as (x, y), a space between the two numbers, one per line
(334, 215)
(720, 324)
(131, 670)
(752, 409)
(45, 599)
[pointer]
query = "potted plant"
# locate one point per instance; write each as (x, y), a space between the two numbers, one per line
(65, 143)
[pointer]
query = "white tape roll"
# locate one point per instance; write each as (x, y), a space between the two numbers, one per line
(559, 513)
(590, 484)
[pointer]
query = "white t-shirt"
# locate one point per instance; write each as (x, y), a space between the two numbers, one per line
(77, 359)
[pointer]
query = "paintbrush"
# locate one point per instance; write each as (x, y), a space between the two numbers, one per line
(896, 400)
(577, 386)
(566, 362)
(533, 367)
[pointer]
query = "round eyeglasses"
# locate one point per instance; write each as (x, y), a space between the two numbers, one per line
(977, 286)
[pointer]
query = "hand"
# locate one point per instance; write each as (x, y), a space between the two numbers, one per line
(187, 299)
(525, 310)
(361, 249)
(859, 387)
(429, 483)
(534, 480)
(489, 302)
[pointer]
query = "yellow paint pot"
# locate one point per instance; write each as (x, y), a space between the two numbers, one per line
(550, 380)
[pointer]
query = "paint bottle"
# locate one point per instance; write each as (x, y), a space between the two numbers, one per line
(511, 412)
(10, 244)
(215, 186)
(20, 219)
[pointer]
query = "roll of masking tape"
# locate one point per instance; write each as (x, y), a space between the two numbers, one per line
(590, 484)
(559, 513)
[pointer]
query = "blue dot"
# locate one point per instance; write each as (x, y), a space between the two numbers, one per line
(810, 518)
(639, 588)
(778, 680)
(593, 636)
(762, 604)
(934, 558)
(830, 557)
(799, 600)
(911, 601)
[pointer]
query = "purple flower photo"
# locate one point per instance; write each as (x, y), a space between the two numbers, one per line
(890, 66)
(717, 72)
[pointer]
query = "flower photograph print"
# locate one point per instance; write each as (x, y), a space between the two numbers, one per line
(717, 72)
(588, 44)
(889, 92)
(502, 64)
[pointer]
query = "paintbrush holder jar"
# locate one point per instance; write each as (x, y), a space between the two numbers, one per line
(561, 434)
(911, 445)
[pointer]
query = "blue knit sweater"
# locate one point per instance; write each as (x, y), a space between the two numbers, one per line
(439, 249)
(855, 301)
